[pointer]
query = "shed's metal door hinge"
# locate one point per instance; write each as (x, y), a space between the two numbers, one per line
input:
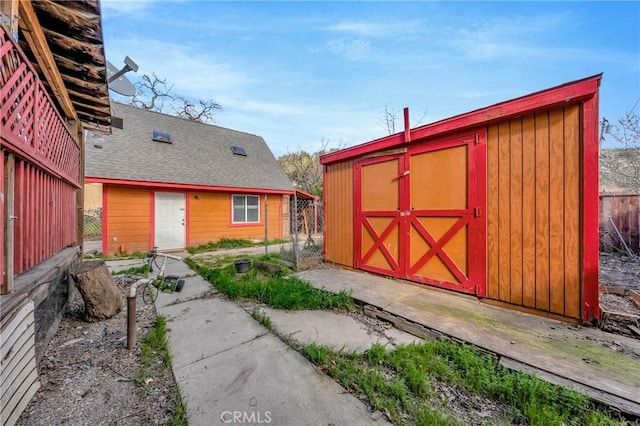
(476, 212)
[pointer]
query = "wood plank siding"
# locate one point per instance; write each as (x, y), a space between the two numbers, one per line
(210, 218)
(338, 197)
(533, 218)
(128, 219)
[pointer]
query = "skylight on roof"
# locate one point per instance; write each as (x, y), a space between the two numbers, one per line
(238, 150)
(161, 136)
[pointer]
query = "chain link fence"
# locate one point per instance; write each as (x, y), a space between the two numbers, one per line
(306, 229)
(93, 225)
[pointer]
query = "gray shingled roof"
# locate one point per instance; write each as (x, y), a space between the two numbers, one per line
(199, 154)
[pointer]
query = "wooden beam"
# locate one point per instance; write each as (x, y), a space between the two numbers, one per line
(35, 37)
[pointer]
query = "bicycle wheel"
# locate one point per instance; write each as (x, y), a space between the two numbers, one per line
(149, 293)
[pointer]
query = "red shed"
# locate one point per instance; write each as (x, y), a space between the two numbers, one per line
(500, 203)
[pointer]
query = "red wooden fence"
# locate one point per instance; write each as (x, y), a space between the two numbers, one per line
(47, 164)
(624, 211)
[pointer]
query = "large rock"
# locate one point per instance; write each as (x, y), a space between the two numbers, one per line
(101, 296)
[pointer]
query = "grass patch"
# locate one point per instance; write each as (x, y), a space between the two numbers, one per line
(156, 361)
(221, 244)
(135, 270)
(402, 383)
(276, 290)
(231, 243)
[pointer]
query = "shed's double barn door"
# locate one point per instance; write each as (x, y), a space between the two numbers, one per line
(418, 216)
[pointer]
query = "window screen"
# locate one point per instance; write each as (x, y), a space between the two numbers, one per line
(246, 209)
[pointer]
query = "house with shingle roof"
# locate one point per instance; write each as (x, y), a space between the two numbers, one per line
(173, 183)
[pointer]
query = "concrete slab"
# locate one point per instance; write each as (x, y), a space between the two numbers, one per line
(335, 330)
(201, 328)
(590, 357)
(231, 369)
(266, 378)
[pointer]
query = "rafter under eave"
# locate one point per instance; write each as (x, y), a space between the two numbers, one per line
(35, 37)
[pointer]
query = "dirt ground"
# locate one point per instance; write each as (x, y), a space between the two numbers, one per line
(88, 375)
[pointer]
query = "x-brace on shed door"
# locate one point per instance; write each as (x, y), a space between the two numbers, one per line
(419, 214)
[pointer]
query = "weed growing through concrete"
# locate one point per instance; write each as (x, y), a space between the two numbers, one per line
(277, 290)
(403, 381)
(155, 354)
(262, 318)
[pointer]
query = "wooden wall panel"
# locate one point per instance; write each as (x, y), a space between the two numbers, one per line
(516, 206)
(534, 225)
(504, 217)
(572, 178)
(339, 196)
(493, 256)
(542, 210)
(528, 212)
(128, 219)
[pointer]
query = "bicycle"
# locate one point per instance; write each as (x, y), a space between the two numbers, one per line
(161, 283)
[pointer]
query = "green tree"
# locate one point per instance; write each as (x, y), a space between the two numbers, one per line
(304, 168)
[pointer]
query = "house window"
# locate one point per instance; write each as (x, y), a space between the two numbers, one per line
(246, 209)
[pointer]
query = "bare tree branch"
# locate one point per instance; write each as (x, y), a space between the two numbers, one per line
(151, 92)
(156, 94)
(200, 110)
(621, 167)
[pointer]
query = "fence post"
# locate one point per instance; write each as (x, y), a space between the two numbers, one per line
(266, 226)
(295, 229)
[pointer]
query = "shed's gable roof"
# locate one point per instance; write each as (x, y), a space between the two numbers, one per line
(565, 94)
(199, 154)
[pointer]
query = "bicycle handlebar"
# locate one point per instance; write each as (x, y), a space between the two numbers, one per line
(170, 256)
(154, 253)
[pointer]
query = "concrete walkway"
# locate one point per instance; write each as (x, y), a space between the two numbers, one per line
(230, 369)
(588, 359)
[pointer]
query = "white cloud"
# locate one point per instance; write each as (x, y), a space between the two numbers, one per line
(357, 50)
(192, 72)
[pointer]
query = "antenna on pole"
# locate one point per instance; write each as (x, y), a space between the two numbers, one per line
(116, 79)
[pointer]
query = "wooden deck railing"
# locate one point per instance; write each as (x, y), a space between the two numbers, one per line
(41, 163)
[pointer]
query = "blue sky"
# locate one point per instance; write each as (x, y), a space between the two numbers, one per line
(300, 73)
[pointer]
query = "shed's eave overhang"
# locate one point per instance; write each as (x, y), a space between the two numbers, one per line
(565, 94)
(305, 195)
(184, 186)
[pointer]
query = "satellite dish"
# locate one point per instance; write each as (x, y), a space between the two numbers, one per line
(116, 79)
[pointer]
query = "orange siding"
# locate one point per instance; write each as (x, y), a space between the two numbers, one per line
(534, 221)
(128, 219)
(338, 190)
(210, 218)
(128, 216)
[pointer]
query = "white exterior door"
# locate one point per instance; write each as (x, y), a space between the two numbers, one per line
(170, 217)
